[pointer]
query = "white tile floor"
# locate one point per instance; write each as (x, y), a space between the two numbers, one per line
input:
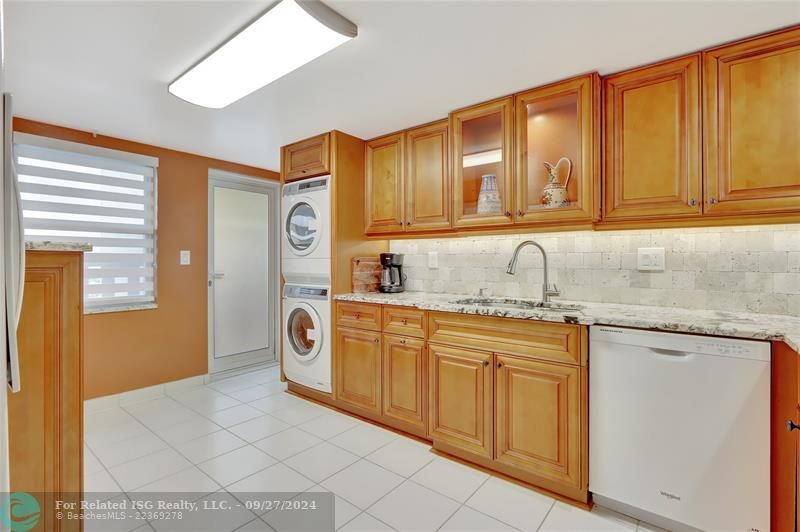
(246, 434)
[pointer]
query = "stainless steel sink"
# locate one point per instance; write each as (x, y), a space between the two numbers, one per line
(515, 304)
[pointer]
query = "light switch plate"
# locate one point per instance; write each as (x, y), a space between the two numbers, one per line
(650, 259)
(186, 257)
(433, 259)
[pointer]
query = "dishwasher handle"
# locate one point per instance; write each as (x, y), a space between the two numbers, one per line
(669, 352)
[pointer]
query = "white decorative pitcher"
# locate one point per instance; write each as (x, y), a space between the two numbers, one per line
(489, 197)
(555, 194)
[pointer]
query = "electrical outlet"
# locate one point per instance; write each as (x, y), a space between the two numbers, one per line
(433, 259)
(186, 257)
(650, 259)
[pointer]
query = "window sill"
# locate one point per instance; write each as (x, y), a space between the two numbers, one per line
(121, 308)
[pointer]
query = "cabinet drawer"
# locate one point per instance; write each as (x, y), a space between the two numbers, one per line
(359, 316)
(404, 321)
(559, 342)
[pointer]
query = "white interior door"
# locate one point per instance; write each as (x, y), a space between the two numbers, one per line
(242, 262)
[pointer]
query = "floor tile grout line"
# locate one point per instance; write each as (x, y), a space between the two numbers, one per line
(124, 492)
(553, 505)
(397, 437)
(171, 447)
(462, 504)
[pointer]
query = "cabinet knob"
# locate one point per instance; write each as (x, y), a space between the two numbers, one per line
(508, 214)
(303, 171)
(376, 340)
(499, 365)
(713, 200)
(403, 341)
(356, 315)
(520, 213)
(791, 425)
(408, 223)
(693, 202)
(404, 321)
(486, 364)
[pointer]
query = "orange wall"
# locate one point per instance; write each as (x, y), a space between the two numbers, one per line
(129, 350)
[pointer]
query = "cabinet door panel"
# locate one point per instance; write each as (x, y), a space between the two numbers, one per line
(461, 397)
(427, 178)
(752, 125)
(555, 121)
(358, 368)
(385, 209)
(404, 381)
(652, 142)
(482, 145)
(537, 411)
(307, 158)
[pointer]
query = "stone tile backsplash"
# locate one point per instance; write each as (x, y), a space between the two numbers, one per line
(752, 268)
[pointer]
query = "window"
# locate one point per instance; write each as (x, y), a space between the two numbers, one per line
(78, 193)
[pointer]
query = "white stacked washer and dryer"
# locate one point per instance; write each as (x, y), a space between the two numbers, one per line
(306, 267)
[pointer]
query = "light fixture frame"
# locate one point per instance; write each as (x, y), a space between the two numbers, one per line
(321, 12)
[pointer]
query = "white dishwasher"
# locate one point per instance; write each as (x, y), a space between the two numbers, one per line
(679, 428)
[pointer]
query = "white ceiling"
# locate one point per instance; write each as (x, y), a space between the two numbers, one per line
(104, 65)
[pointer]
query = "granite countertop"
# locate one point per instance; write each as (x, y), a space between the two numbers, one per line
(47, 245)
(711, 322)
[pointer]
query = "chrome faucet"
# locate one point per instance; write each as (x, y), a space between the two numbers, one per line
(547, 290)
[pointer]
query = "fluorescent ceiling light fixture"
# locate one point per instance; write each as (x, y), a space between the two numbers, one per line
(483, 157)
(289, 35)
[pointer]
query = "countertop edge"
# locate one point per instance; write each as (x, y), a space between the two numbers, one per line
(714, 323)
(47, 245)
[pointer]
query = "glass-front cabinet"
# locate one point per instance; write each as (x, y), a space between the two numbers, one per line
(557, 138)
(482, 148)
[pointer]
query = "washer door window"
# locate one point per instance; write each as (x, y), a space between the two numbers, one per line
(304, 331)
(303, 229)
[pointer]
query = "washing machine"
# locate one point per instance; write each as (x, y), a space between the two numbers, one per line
(307, 335)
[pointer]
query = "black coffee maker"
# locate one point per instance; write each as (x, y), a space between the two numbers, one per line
(392, 278)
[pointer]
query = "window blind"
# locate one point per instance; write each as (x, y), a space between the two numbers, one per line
(77, 196)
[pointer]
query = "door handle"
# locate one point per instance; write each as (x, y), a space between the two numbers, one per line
(791, 425)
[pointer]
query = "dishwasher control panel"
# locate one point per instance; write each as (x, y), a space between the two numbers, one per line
(683, 342)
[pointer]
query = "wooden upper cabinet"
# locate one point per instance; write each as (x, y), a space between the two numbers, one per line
(307, 158)
(405, 379)
(427, 179)
(461, 399)
(538, 418)
(653, 162)
(752, 125)
(481, 159)
(555, 122)
(385, 209)
(358, 369)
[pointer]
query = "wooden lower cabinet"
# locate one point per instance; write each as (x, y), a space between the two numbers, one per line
(509, 395)
(45, 418)
(537, 418)
(405, 367)
(461, 396)
(358, 369)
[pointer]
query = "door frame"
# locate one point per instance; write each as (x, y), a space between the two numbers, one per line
(221, 178)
